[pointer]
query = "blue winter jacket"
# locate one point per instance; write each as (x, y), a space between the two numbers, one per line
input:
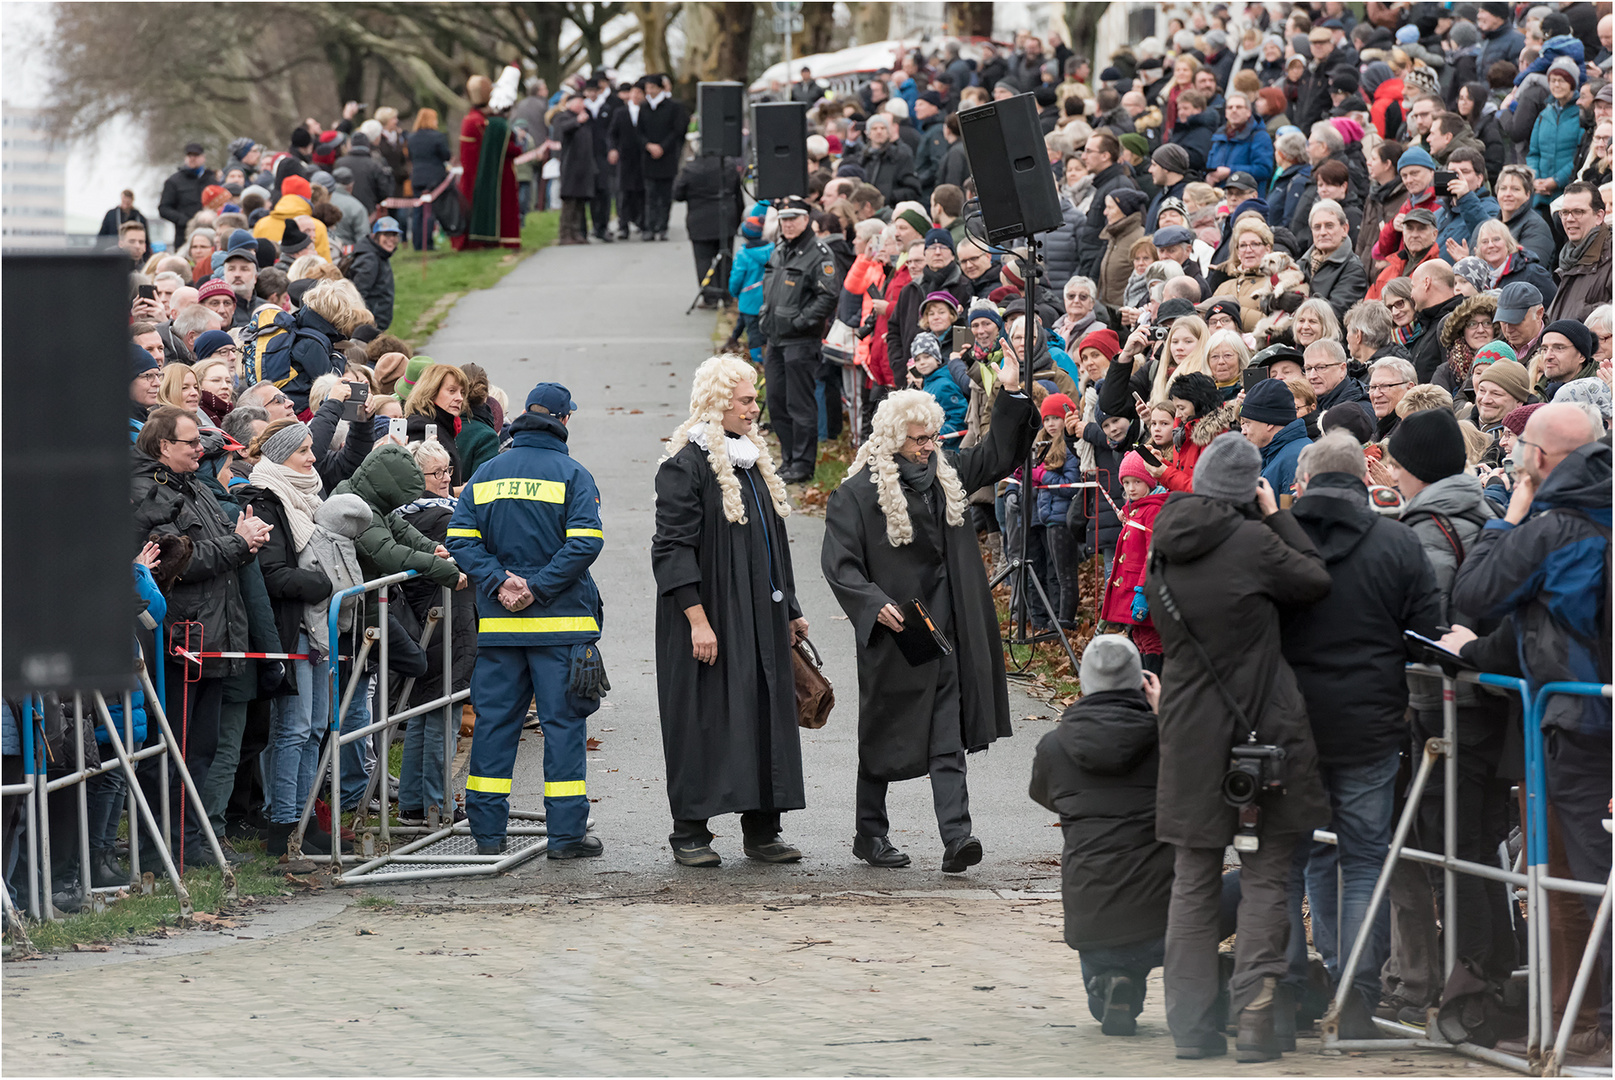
(1460, 220)
(156, 607)
(1553, 146)
(746, 275)
(1559, 45)
(941, 385)
(1053, 506)
(1286, 196)
(1250, 151)
(1279, 456)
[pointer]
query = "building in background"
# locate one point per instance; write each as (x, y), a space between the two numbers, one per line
(33, 179)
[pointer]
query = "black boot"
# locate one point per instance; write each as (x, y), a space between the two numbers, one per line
(1120, 995)
(1284, 1017)
(1258, 1040)
(105, 872)
(279, 833)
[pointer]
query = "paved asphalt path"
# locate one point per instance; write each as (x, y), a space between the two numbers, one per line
(608, 321)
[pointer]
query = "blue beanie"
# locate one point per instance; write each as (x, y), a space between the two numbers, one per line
(1407, 35)
(939, 236)
(1416, 156)
(988, 313)
(1269, 401)
(141, 361)
(210, 342)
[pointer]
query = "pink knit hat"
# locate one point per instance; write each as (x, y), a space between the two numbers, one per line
(1133, 465)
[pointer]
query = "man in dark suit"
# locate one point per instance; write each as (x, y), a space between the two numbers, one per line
(663, 123)
(602, 106)
(625, 154)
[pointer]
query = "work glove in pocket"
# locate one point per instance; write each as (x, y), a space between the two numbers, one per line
(588, 672)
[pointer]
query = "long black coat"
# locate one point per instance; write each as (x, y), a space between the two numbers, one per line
(721, 721)
(623, 137)
(579, 170)
(1097, 770)
(1346, 649)
(291, 587)
(665, 125)
(713, 192)
(1229, 575)
(898, 704)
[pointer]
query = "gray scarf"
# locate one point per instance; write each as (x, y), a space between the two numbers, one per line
(920, 478)
(1571, 254)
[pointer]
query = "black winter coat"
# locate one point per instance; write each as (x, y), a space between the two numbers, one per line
(429, 158)
(666, 125)
(372, 176)
(1340, 279)
(1091, 235)
(623, 137)
(891, 169)
(579, 169)
(1425, 351)
(1194, 135)
(904, 321)
(1347, 649)
(955, 167)
(711, 190)
(335, 466)
(371, 272)
(208, 591)
(312, 358)
(1062, 248)
(1097, 770)
(291, 588)
(1229, 575)
(901, 713)
(415, 427)
(182, 196)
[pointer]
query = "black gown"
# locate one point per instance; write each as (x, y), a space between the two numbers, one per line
(729, 729)
(908, 714)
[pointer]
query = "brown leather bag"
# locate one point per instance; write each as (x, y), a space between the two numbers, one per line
(815, 697)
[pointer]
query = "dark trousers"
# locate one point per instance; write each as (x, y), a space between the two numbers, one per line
(715, 288)
(600, 211)
(418, 235)
(948, 793)
(1135, 960)
(790, 372)
(193, 714)
(658, 203)
(630, 210)
(1579, 789)
(573, 226)
(756, 827)
(1065, 556)
(1194, 930)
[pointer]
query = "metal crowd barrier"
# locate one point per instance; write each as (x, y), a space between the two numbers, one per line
(440, 848)
(1540, 1059)
(36, 788)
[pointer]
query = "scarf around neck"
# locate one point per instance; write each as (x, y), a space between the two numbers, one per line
(299, 495)
(1571, 254)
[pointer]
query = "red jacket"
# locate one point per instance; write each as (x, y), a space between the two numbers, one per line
(879, 366)
(1390, 237)
(1396, 266)
(1132, 557)
(1386, 94)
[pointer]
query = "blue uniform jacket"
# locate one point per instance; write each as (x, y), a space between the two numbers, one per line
(534, 512)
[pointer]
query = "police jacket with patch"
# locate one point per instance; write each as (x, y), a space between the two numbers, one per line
(800, 287)
(534, 512)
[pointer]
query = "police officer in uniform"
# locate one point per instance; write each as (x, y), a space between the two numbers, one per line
(526, 531)
(800, 288)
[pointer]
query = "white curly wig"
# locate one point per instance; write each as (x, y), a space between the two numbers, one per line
(889, 430)
(710, 395)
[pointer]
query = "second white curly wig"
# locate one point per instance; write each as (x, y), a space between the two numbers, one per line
(889, 430)
(710, 395)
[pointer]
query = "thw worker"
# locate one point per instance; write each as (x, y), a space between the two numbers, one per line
(526, 531)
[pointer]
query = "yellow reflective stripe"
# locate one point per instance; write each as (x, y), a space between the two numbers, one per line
(493, 785)
(466, 532)
(550, 491)
(560, 789)
(552, 625)
(586, 532)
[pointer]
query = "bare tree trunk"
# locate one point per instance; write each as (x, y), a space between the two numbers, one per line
(969, 18)
(871, 21)
(719, 37)
(546, 20)
(1082, 22)
(653, 22)
(818, 24)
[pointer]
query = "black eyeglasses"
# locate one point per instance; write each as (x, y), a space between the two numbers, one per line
(194, 444)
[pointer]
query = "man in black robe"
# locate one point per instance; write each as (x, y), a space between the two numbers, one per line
(896, 531)
(726, 619)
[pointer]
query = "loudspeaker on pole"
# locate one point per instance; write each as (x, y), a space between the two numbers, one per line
(779, 132)
(1014, 183)
(720, 105)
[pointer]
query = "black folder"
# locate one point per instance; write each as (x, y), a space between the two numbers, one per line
(920, 641)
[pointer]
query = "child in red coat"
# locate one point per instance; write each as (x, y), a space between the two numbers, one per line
(1124, 592)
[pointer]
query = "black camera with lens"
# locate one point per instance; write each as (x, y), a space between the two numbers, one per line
(1254, 770)
(1158, 333)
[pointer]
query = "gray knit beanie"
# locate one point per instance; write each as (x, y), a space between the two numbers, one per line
(345, 515)
(1228, 469)
(284, 443)
(1110, 662)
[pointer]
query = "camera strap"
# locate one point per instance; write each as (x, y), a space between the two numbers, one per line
(1171, 606)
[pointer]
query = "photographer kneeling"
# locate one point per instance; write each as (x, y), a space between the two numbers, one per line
(1223, 560)
(1097, 770)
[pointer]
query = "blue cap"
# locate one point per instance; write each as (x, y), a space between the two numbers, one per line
(1407, 35)
(1416, 156)
(554, 397)
(242, 243)
(1172, 235)
(386, 223)
(210, 342)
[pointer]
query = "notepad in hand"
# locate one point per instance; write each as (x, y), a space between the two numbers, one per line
(920, 641)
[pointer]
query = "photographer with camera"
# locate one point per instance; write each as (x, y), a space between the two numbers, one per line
(1348, 655)
(1223, 560)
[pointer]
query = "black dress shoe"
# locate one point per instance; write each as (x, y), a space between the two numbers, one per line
(960, 855)
(774, 850)
(492, 849)
(622, 234)
(700, 855)
(587, 848)
(879, 851)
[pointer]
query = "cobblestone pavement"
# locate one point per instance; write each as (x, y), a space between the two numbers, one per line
(913, 985)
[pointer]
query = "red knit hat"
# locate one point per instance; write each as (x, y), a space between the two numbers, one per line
(295, 185)
(1104, 339)
(214, 287)
(214, 196)
(1056, 405)
(1515, 419)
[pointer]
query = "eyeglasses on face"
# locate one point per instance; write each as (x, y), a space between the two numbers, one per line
(924, 440)
(1385, 387)
(1310, 368)
(194, 444)
(441, 474)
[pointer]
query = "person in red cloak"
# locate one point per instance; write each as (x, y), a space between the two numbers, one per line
(488, 184)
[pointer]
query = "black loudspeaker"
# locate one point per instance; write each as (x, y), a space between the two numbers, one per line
(779, 131)
(69, 614)
(1014, 183)
(720, 105)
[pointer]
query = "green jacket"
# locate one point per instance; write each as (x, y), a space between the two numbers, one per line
(477, 443)
(386, 480)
